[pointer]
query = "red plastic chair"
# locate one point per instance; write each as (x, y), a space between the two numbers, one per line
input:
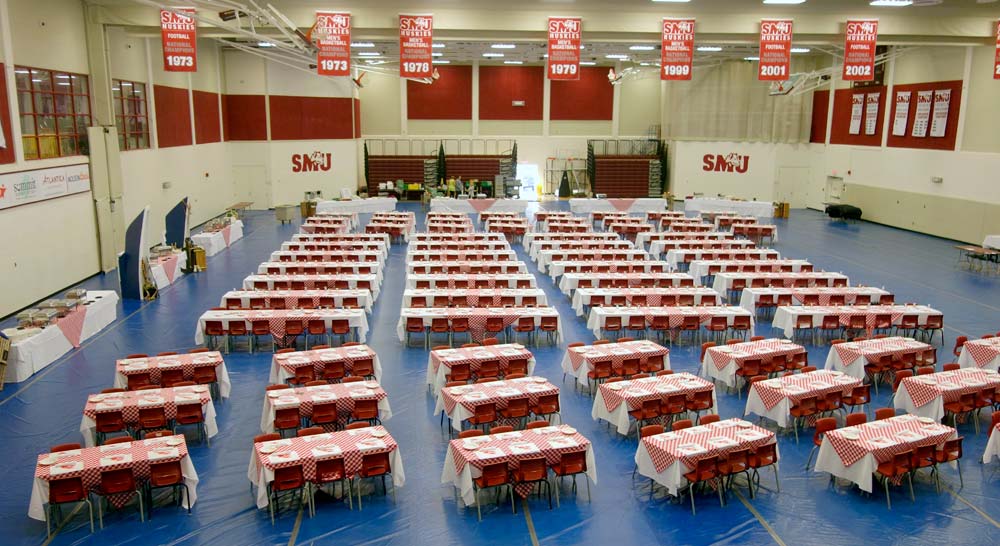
(288, 481)
(162, 475)
(706, 470)
(375, 465)
(191, 414)
(117, 482)
(900, 465)
(823, 425)
(66, 491)
(493, 476)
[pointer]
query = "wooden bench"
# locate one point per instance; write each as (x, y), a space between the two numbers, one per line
(240, 208)
(979, 258)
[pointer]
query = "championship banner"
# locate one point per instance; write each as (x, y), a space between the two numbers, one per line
(332, 35)
(902, 113)
(565, 35)
(923, 114)
(871, 113)
(996, 64)
(857, 111)
(775, 50)
(677, 51)
(416, 42)
(942, 103)
(180, 40)
(859, 50)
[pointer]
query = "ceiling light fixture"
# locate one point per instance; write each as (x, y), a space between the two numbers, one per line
(890, 3)
(492, 54)
(441, 61)
(503, 46)
(438, 46)
(709, 49)
(369, 54)
(800, 50)
(513, 62)
(587, 63)
(641, 48)
(784, 1)
(754, 58)
(671, 1)
(362, 44)
(617, 56)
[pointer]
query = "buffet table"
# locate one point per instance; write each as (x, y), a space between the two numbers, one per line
(167, 269)
(623, 205)
(372, 204)
(448, 204)
(30, 354)
(760, 209)
(215, 241)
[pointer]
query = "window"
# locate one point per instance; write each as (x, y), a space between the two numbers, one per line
(130, 114)
(55, 112)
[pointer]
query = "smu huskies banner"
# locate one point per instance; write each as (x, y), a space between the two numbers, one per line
(180, 40)
(416, 42)
(565, 35)
(859, 51)
(333, 41)
(677, 51)
(775, 50)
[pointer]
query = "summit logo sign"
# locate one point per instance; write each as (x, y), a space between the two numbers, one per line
(730, 163)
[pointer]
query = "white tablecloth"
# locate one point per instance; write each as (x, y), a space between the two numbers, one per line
(598, 315)
(167, 270)
(87, 425)
(992, 448)
(760, 209)
(473, 206)
(992, 241)
(28, 356)
(614, 204)
(372, 204)
(786, 317)
(221, 373)
(620, 417)
(215, 241)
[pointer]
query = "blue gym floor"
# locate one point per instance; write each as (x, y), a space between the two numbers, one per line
(46, 410)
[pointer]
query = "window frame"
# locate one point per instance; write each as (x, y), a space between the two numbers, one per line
(80, 144)
(122, 116)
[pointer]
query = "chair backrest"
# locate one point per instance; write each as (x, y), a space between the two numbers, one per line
(541, 423)
(63, 447)
(311, 431)
(884, 413)
(823, 425)
(682, 424)
(119, 440)
(709, 419)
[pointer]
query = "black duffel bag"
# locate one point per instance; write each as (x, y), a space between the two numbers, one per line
(846, 212)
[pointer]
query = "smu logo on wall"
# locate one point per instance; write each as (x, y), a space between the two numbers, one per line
(732, 163)
(316, 161)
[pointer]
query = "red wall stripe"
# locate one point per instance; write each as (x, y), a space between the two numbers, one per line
(245, 117)
(357, 118)
(173, 116)
(499, 86)
(840, 130)
(589, 98)
(450, 97)
(7, 153)
(821, 105)
(947, 142)
(206, 117)
(311, 118)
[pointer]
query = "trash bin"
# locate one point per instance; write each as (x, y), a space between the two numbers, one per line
(284, 213)
(307, 209)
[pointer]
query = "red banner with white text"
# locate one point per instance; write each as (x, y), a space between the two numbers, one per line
(332, 35)
(996, 64)
(677, 51)
(179, 34)
(775, 50)
(416, 43)
(859, 50)
(565, 36)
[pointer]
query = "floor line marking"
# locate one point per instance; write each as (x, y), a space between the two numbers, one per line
(65, 520)
(760, 519)
(975, 508)
(531, 524)
(295, 528)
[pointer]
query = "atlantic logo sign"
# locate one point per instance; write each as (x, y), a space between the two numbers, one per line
(314, 162)
(731, 163)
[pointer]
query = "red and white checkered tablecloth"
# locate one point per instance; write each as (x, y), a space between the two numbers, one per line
(89, 463)
(343, 395)
(871, 350)
(634, 393)
(283, 365)
(291, 298)
(310, 282)
(675, 315)
(798, 386)
(334, 246)
(616, 353)
(495, 392)
(948, 386)
(154, 364)
(883, 439)
(277, 319)
(653, 296)
(982, 351)
(350, 268)
(476, 297)
(353, 446)
(502, 448)
(453, 237)
(463, 266)
(485, 246)
(492, 281)
(378, 237)
(478, 317)
(764, 350)
(130, 402)
(557, 268)
(709, 441)
(475, 356)
(470, 255)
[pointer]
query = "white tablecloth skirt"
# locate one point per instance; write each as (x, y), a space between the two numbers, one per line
(621, 205)
(619, 417)
(165, 272)
(261, 476)
(214, 242)
(778, 414)
(760, 209)
(40, 490)
(854, 369)
(992, 448)
(29, 356)
(225, 386)
(460, 413)
(401, 326)
(712, 372)
(372, 204)
(463, 481)
(437, 380)
(474, 206)
(267, 415)
(672, 476)
(785, 317)
(933, 409)
(279, 374)
(595, 323)
(992, 241)
(87, 425)
(357, 321)
(965, 360)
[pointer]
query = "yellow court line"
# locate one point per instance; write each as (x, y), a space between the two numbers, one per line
(531, 524)
(65, 520)
(975, 508)
(767, 526)
(295, 528)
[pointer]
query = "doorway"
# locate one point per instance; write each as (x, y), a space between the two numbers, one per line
(253, 185)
